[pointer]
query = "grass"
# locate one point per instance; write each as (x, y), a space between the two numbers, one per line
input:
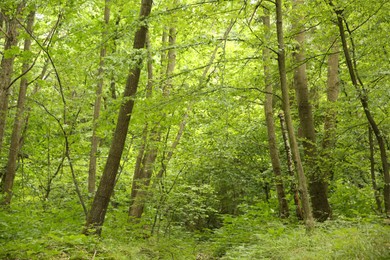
(332, 240)
(33, 233)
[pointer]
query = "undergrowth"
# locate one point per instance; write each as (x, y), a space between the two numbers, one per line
(33, 233)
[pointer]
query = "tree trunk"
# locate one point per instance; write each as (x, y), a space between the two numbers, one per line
(309, 222)
(96, 111)
(318, 186)
(7, 66)
(1, 24)
(10, 170)
(372, 171)
(268, 110)
(358, 84)
(333, 89)
(136, 206)
(141, 180)
(330, 120)
(290, 167)
(95, 218)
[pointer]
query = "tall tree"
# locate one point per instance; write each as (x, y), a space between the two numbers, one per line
(141, 181)
(7, 63)
(269, 117)
(332, 92)
(317, 184)
(96, 215)
(98, 98)
(363, 98)
(308, 216)
(10, 170)
(147, 152)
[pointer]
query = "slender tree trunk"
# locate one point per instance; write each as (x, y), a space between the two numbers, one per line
(309, 222)
(141, 181)
(145, 155)
(135, 187)
(358, 84)
(1, 24)
(7, 66)
(318, 186)
(168, 157)
(10, 170)
(145, 133)
(372, 171)
(96, 112)
(290, 167)
(99, 207)
(330, 120)
(269, 116)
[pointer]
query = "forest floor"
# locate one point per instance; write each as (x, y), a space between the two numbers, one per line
(28, 233)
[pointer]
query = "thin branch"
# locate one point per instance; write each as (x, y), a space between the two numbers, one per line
(369, 17)
(24, 72)
(46, 51)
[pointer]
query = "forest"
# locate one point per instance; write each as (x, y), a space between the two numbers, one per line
(194, 129)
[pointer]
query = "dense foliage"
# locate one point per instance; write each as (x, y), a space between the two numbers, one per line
(200, 108)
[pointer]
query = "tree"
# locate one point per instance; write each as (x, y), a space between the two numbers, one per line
(10, 170)
(7, 62)
(269, 116)
(363, 98)
(96, 111)
(96, 215)
(147, 153)
(318, 184)
(290, 168)
(330, 119)
(309, 222)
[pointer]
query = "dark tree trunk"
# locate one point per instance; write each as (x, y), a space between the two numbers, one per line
(318, 186)
(96, 215)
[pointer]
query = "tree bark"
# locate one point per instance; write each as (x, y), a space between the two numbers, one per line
(1, 24)
(363, 97)
(7, 67)
(333, 90)
(372, 171)
(143, 158)
(10, 170)
(141, 180)
(330, 120)
(269, 113)
(318, 186)
(308, 217)
(96, 112)
(95, 218)
(290, 167)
